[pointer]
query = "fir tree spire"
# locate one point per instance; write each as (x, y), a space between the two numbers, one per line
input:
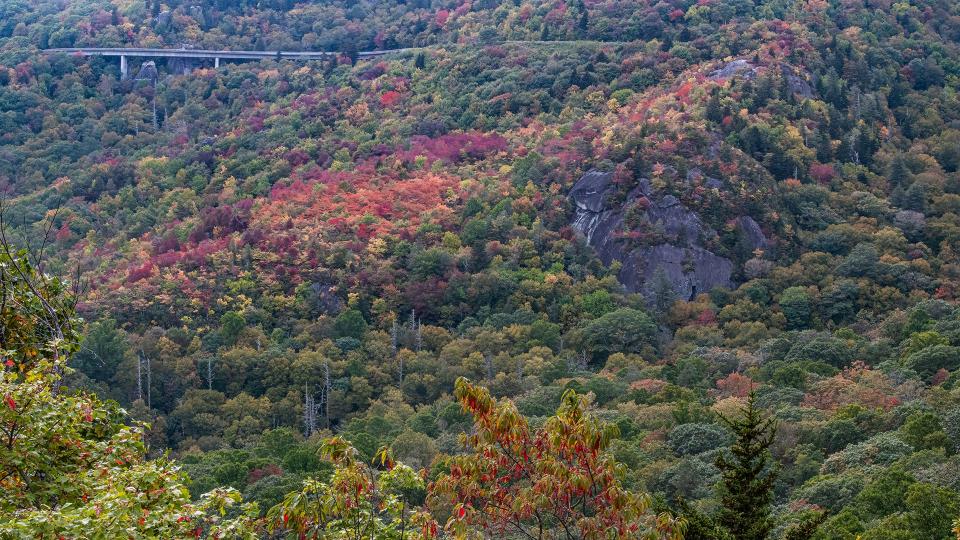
(748, 475)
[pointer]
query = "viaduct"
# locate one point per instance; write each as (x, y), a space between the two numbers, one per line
(204, 54)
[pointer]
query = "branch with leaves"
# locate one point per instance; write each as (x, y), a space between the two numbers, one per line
(556, 482)
(357, 502)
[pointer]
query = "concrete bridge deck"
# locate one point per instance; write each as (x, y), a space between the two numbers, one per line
(207, 54)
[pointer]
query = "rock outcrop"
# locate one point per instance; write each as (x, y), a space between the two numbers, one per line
(148, 72)
(795, 78)
(750, 230)
(676, 250)
(734, 69)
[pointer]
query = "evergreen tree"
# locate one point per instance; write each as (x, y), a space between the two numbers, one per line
(700, 526)
(661, 292)
(584, 21)
(899, 173)
(421, 61)
(748, 475)
(714, 110)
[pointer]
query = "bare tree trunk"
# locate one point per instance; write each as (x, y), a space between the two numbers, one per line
(326, 393)
(309, 412)
(393, 338)
(146, 360)
(210, 373)
(419, 335)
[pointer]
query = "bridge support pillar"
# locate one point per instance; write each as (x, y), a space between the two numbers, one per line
(124, 69)
(216, 62)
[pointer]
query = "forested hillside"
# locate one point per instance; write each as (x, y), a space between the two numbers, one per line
(613, 229)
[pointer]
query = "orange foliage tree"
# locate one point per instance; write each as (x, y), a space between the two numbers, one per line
(558, 481)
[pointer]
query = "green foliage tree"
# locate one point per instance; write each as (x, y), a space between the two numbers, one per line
(662, 292)
(748, 475)
(930, 510)
(924, 431)
(688, 439)
(796, 306)
(101, 351)
(358, 501)
(350, 323)
(624, 330)
(929, 360)
(69, 465)
(231, 324)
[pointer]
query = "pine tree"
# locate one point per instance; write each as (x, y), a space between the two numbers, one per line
(899, 173)
(584, 22)
(714, 110)
(421, 61)
(661, 292)
(748, 475)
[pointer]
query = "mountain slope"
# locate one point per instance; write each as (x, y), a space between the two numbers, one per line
(665, 204)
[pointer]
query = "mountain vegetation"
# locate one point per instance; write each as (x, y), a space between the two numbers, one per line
(362, 298)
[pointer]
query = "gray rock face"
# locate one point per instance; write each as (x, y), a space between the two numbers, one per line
(181, 66)
(678, 253)
(796, 80)
(797, 84)
(734, 68)
(323, 297)
(148, 72)
(751, 231)
(163, 18)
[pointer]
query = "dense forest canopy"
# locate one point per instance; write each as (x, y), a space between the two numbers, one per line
(651, 226)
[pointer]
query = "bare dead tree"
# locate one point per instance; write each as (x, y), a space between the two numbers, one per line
(146, 361)
(419, 335)
(209, 360)
(309, 411)
(326, 393)
(393, 338)
(56, 313)
(139, 378)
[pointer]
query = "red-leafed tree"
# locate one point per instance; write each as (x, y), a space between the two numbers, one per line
(555, 482)
(822, 173)
(390, 98)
